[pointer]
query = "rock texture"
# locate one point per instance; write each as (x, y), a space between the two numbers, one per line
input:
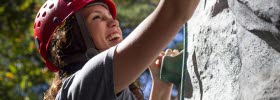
(234, 50)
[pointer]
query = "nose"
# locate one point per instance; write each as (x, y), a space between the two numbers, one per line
(113, 23)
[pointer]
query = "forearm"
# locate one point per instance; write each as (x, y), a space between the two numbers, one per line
(161, 91)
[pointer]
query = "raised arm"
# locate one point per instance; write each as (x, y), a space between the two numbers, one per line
(134, 54)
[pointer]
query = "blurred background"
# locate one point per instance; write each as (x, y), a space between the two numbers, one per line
(23, 75)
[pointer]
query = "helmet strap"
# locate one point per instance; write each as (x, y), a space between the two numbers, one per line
(90, 47)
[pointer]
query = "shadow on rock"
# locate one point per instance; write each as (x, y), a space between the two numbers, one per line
(260, 17)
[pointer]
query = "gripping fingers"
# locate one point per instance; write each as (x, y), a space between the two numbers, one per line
(175, 52)
(168, 52)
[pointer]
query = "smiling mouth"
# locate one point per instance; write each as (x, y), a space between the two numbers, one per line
(113, 37)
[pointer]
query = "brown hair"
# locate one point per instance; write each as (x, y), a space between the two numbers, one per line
(54, 88)
(64, 44)
(59, 43)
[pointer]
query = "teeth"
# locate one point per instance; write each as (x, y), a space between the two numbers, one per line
(112, 36)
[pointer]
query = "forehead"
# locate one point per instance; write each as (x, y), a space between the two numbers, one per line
(95, 9)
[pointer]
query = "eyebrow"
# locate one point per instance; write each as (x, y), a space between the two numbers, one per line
(99, 12)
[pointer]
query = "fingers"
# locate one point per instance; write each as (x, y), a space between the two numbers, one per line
(161, 53)
(175, 53)
(171, 53)
(168, 52)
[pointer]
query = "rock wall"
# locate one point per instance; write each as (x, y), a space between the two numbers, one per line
(234, 50)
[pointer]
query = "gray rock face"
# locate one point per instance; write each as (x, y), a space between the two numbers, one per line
(234, 48)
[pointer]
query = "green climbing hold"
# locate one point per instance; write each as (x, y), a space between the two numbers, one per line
(171, 69)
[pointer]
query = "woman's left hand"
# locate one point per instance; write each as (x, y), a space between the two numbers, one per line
(155, 66)
(161, 90)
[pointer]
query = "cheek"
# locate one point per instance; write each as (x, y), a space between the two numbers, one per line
(121, 32)
(99, 40)
(96, 33)
(98, 43)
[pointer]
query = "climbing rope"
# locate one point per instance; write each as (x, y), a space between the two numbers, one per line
(184, 63)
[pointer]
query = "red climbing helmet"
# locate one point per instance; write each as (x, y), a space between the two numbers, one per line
(51, 15)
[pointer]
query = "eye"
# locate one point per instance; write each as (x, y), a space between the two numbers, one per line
(96, 17)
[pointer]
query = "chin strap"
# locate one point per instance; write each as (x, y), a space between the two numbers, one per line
(90, 47)
(82, 34)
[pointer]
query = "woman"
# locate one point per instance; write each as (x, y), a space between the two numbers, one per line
(82, 41)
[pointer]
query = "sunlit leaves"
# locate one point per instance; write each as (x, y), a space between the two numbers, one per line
(21, 67)
(132, 12)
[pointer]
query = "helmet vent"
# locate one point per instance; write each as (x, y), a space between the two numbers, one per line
(34, 26)
(39, 24)
(45, 6)
(38, 15)
(44, 14)
(51, 6)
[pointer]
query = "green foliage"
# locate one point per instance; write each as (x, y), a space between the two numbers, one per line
(22, 73)
(132, 12)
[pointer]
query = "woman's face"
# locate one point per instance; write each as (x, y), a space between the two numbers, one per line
(105, 31)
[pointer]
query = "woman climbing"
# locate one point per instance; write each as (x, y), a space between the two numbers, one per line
(81, 41)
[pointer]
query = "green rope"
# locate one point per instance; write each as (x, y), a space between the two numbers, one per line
(184, 65)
